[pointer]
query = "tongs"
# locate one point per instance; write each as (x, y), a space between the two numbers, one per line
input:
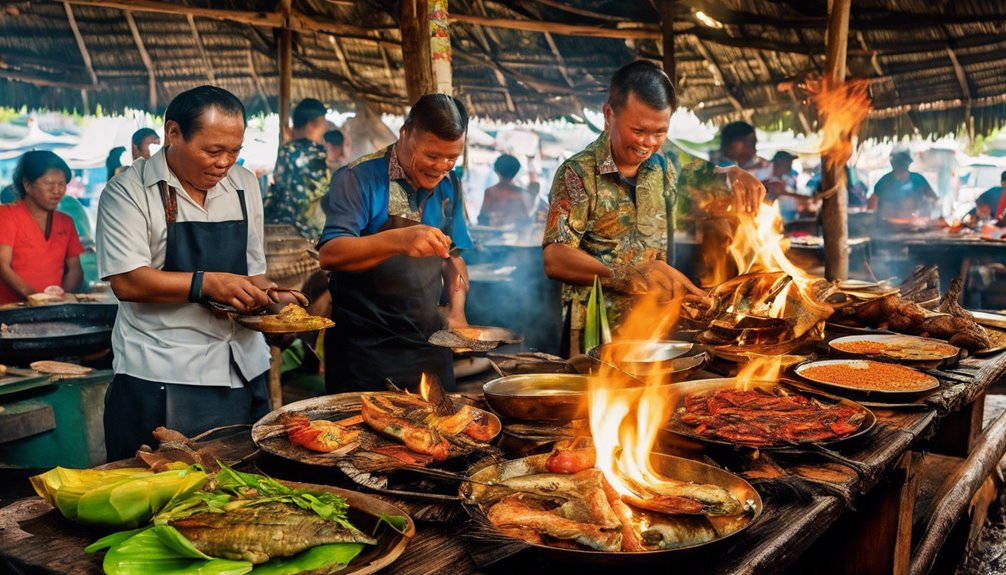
(301, 298)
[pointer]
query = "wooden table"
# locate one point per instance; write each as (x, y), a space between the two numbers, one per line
(953, 254)
(874, 539)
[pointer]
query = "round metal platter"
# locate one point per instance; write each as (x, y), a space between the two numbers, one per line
(261, 323)
(707, 385)
(861, 364)
(270, 436)
(678, 468)
(906, 348)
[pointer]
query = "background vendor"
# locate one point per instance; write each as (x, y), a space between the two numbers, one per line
(39, 247)
(392, 218)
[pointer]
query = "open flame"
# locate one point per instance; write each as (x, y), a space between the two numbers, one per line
(626, 413)
(842, 109)
(424, 387)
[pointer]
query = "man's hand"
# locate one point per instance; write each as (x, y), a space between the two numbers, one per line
(241, 292)
(748, 191)
(422, 241)
(668, 282)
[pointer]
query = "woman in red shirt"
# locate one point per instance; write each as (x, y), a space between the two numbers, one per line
(39, 246)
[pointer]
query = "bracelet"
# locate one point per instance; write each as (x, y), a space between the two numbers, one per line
(196, 289)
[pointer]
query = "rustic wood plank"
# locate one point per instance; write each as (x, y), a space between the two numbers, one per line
(959, 430)
(24, 419)
(956, 493)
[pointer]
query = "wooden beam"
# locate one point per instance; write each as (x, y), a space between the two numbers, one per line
(580, 11)
(834, 208)
(84, 54)
(647, 33)
(202, 49)
(668, 11)
(714, 69)
(962, 79)
(285, 65)
(147, 62)
(257, 80)
(39, 81)
(416, 48)
(295, 20)
(954, 496)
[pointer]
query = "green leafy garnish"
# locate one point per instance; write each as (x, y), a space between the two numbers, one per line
(397, 522)
(331, 558)
(162, 550)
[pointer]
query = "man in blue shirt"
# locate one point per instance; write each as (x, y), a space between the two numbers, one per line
(393, 218)
(901, 193)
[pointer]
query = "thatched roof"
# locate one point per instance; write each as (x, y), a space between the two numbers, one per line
(934, 67)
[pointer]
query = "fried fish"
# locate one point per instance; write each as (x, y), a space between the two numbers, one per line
(258, 533)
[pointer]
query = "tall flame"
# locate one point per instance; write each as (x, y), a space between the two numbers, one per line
(626, 413)
(842, 109)
(424, 387)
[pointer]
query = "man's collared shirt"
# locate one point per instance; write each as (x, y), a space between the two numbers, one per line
(176, 343)
(366, 191)
(301, 182)
(593, 208)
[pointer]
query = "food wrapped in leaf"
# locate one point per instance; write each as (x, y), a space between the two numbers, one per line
(115, 498)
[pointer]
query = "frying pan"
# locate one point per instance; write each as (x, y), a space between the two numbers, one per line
(477, 495)
(71, 330)
(706, 385)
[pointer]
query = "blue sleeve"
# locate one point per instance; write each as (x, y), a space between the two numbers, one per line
(346, 207)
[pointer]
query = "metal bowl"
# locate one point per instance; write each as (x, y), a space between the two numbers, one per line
(538, 396)
(644, 358)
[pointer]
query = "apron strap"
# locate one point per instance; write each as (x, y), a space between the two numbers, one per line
(244, 207)
(169, 198)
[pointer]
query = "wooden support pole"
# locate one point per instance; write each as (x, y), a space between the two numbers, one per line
(834, 208)
(668, 10)
(147, 62)
(416, 48)
(954, 496)
(202, 49)
(285, 79)
(439, 38)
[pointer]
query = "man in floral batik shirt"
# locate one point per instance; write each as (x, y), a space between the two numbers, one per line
(301, 176)
(608, 205)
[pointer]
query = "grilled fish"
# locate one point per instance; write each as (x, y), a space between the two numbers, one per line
(258, 533)
(514, 511)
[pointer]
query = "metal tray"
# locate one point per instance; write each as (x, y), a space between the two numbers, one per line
(800, 369)
(705, 385)
(933, 360)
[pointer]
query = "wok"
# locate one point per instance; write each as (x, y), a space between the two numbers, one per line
(675, 360)
(50, 331)
(475, 494)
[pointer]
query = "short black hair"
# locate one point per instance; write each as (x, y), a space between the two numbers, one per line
(113, 160)
(647, 81)
(443, 116)
(335, 138)
(187, 108)
(506, 166)
(734, 131)
(34, 164)
(143, 134)
(308, 110)
(1002, 176)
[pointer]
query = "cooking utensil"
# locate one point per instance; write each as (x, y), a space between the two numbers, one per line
(801, 370)
(477, 497)
(263, 324)
(70, 330)
(688, 388)
(645, 358)
(901, 348)
(474, 338)
(538, 397)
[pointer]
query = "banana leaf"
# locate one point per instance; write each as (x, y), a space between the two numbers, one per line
(121, 499)
(596, 329)
(162, 550)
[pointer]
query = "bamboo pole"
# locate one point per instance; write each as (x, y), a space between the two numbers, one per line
(834, 209)
(285, 78)
(438, 35)
(416, 48)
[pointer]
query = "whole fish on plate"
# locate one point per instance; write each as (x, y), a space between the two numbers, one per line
(258, 533)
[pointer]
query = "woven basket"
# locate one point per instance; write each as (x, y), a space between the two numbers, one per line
(287, 256)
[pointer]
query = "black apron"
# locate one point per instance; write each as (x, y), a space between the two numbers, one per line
(383, 317)
(133, 406)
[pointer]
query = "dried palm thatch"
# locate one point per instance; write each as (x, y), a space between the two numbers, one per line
(934, 67)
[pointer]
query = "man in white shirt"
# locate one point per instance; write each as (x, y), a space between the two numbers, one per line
(175, 231)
